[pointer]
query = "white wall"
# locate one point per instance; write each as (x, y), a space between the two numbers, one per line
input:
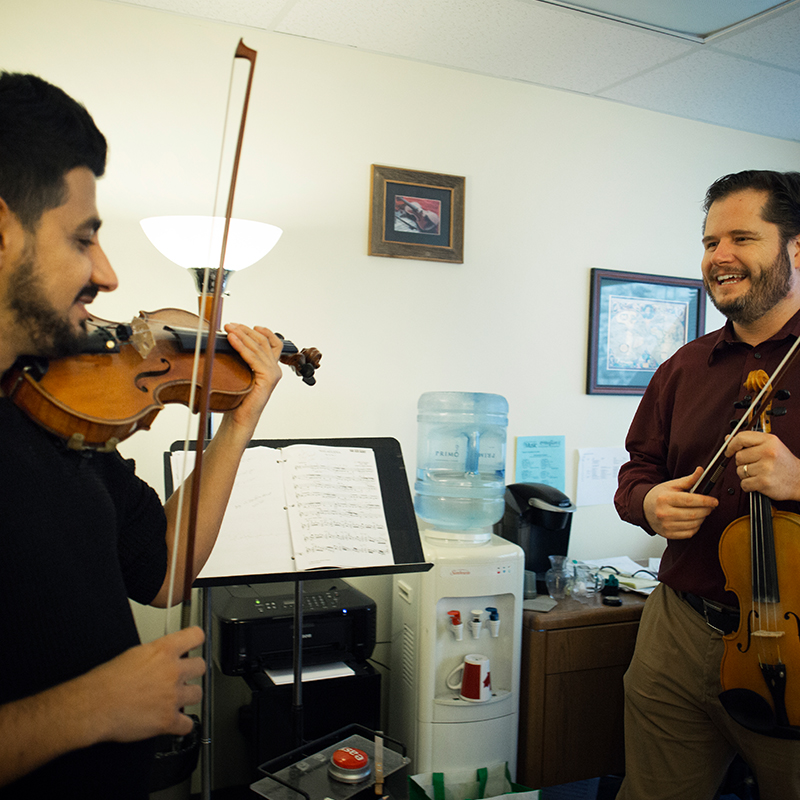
(556, 183)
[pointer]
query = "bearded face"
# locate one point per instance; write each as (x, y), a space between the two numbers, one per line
(49, 333)
(768, 287)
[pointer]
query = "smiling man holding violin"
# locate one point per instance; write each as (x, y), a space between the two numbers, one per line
(680, 737)
(79, 695)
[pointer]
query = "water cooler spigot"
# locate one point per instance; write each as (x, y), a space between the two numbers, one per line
(494, 621)
(476, 623)
(457, 626)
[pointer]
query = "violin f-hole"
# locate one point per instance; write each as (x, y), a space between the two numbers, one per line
(790, 615)
(154, 373)
(744, 648)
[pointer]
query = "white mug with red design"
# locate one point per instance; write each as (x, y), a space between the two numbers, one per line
(475, 682)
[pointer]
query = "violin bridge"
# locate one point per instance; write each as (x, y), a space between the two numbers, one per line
(142, 338)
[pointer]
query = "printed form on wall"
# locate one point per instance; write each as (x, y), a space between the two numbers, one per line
(597, 474)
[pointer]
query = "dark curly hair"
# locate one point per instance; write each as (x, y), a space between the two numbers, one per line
(782, 207)
(44, 134)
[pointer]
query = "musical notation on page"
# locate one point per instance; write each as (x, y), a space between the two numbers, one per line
(335, 508)
(301, 507)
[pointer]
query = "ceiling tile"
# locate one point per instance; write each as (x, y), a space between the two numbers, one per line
(725, 91)
(540, 43)
(685, 16)
(252, 13)
(775, 41)
(512, 39)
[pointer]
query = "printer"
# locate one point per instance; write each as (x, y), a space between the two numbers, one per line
(254, 625)
(253, 631)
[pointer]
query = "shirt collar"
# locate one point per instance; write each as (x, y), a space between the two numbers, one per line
(726, 337)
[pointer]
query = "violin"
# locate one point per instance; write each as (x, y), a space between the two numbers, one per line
(760, 556)
(127, 373)
(425, 220)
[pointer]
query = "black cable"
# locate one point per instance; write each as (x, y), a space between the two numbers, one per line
(649, 572)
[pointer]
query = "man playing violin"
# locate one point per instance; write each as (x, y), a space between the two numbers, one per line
(79, 695)
(679, 739)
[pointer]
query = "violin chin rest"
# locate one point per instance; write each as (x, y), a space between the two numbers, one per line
(752, 711)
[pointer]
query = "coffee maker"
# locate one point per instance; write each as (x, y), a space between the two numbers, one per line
(538, 518)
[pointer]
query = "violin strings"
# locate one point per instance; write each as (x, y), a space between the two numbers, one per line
(756, 548)
(765, 599)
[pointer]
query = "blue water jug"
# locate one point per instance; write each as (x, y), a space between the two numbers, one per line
(461, 459)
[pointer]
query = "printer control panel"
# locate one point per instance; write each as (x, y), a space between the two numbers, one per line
(245, 599)
(316, 602)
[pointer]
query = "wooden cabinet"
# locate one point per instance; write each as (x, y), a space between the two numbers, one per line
(571, 698)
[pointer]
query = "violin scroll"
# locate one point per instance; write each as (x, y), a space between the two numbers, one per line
(304, 362)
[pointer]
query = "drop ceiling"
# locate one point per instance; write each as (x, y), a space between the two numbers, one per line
(734, 63)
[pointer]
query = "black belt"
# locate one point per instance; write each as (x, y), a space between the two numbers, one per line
(721, 618)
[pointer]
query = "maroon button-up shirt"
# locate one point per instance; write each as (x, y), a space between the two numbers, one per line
(680, 424)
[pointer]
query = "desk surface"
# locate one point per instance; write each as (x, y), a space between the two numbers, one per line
(571, 613)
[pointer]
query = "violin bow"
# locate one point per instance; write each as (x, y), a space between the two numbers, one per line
(213, 318)
(713, 471)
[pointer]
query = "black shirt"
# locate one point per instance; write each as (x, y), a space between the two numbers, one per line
(79, 535)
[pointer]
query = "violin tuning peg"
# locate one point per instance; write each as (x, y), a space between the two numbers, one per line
(744, 402)
(308, 375)
(733, 423)
(779, 411)
(783, 394)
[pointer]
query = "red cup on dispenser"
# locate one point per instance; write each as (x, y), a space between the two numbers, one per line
(475, 680)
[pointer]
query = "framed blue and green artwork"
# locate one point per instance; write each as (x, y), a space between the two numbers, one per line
(636, 322)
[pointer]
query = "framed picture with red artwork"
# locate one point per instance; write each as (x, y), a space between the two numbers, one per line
(416, 215)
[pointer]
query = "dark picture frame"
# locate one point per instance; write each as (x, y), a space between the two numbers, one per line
(416, 215)
(636, 322)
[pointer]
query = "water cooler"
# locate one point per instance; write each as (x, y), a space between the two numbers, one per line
(470, 602)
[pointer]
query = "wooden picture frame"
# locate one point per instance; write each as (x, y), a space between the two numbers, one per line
(636, 322)
(416, 215)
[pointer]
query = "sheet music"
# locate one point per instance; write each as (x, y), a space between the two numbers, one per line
(299, 508)
(336, 515)
(254, 538)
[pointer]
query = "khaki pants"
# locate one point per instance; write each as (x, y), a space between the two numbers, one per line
(679, 741)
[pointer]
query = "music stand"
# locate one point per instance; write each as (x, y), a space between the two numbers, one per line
(407, 557)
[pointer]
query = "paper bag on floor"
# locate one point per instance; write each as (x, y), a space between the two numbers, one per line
(486, 783)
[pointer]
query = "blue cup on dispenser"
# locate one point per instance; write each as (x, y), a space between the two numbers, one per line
(461, 459)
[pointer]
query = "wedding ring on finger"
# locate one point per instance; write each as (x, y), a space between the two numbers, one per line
(746, 473)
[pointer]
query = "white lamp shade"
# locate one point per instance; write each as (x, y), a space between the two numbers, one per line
(194, 242)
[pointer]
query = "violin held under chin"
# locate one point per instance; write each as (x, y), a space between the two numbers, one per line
(127, 373)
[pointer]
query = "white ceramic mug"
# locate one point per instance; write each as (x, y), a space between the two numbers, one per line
(475, 681)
